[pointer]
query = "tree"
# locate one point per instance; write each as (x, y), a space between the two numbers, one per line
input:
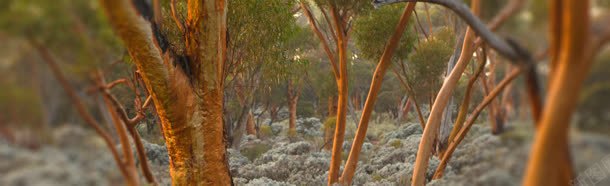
(341, 11)
(21, 21)
(188, 98)
(572, 50)
(89, 36)
(296, 71)
(260, 34)
(386, 58)
(513, 52)
(426, 66)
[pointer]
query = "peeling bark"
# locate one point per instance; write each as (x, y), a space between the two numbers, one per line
(189, 108)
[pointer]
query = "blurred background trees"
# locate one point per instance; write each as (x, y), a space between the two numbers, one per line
(277, 68)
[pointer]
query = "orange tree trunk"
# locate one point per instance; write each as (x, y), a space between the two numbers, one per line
(352, 160)
(549, 162)
(425, 146)
(189, 106)
(459, 122)
(337, 150)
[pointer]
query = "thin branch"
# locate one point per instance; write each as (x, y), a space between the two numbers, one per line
(129, 123)
(502, 46)
(80, 107)
(406, 86)
(329, 23)
(459, 122)
(178, 21)
(513, 7)
(316, 30)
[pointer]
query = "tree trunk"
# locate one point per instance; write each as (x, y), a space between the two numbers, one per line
(497, 126)
(447, 118)
(407, 108)
(293, 97)
(121, 131)
(459, 121)
(273, 110)
(402, 107)
(549, 161)
(292, 108)
(337, 150)
(250, 126)
(473, 117)
(352, 160)
(238, 131)
(430, 132)
(190, 106)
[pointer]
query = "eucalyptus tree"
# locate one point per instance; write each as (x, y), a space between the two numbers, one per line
(385, 53)
(577, 46)
(184, 75)
(337, 16)
(295, 70)
(259, 34)
(66, 34)
(371, 32)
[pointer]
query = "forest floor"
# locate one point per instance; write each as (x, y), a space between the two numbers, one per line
(79, 157)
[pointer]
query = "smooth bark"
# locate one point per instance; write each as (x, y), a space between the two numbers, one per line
(430, 132)
(549, 163)
(342, 86)
(384, 62)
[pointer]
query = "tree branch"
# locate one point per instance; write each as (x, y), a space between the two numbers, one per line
(495, 42)
(177, 20)
(80, 106)
(316, 30)
(473, 117)
(137, 36)
(118, 109)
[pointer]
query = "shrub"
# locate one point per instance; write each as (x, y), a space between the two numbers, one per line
(255, 151)
(396, 143)
(265, 131)
(329, 123)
